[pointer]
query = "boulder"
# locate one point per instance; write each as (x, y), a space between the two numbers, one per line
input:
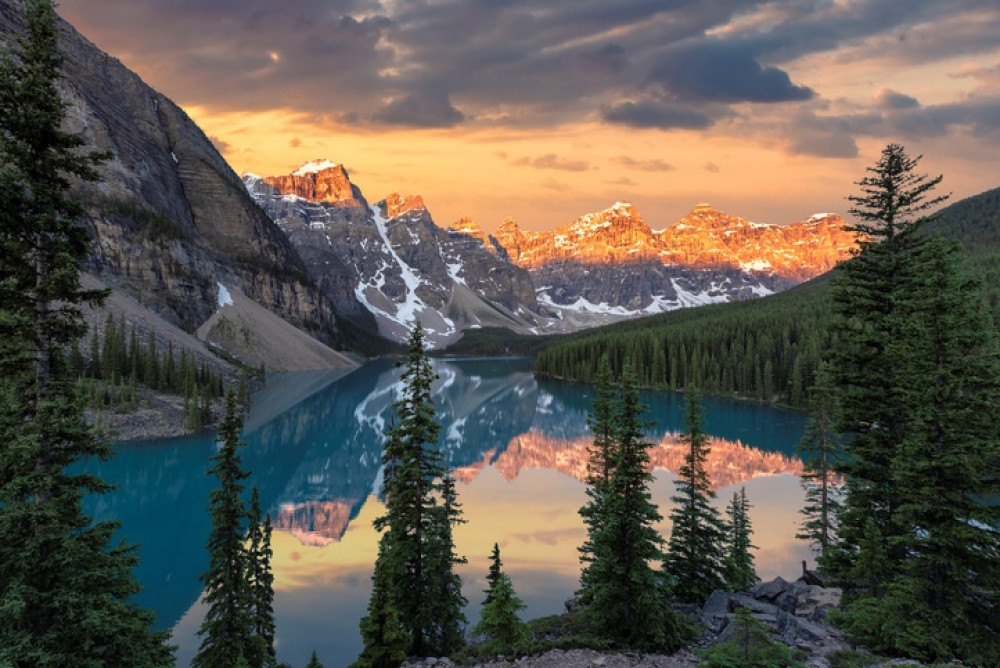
(771, 590)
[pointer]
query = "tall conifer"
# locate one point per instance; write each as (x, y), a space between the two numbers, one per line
(226, 631)
(415, 589)
(65, 589)
(740, 573)
(820, 449)
(695, 558)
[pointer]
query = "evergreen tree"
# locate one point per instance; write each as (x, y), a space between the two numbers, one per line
(819, 450)
(65, 590)
(260, 581)
(414, 585)
(314, 661)
(695, 558)
(740, 573)
(600, 465)
(386, 639)
(873, 361)
(499, 623)
(629, 603)
(750, 647)
(494, 573)
(227, 630)
(445, 601)
(918, 531)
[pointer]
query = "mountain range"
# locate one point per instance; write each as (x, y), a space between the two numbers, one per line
(396, 261)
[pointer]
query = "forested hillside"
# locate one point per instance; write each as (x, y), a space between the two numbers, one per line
(767, 349)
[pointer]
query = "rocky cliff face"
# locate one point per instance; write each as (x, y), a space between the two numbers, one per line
(612, 263)
(392, 258)
(602, 267)
(170, 218)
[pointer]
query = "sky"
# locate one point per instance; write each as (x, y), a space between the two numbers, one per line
(545, 110)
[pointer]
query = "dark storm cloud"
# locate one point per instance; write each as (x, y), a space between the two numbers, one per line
(420, 110)
(719, 71)
(640, 63)
(655, 114)
(890, 99)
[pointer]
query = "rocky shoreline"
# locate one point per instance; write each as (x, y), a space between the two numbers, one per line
(793, 613)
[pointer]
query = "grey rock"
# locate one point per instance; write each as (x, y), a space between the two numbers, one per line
(755, 606)
(770, 590)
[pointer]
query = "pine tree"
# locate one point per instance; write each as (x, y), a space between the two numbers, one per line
(494, 573)
(314, 661)
(600, 465)
(260, 581)
(627, 589)
(65, 589)
(740, 573)
(695, 554)
(386, 639)
(919, 393)
(227, 630)
(414, 585)
(819, 450)
(445, 601)
(873, 362)
(499, 623)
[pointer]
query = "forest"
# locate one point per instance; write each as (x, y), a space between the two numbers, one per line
(767, 349)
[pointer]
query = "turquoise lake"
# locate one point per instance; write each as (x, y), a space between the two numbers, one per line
(517, 445)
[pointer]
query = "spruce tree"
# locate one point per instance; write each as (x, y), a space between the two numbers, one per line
(227, 630)
(494, 573)
(695, 558)
(314, 661)
(629, 603)
(260, 581)
(873, 360)
(918, 531)
(600, 465)
(414, 584)
(820, 450)
(65, 588)
(499, 623)
(740, 573)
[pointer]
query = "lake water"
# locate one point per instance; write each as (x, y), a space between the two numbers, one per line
(517, 445)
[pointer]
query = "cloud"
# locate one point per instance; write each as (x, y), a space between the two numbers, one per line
(552, 161)
(711, 167)
(714, 70)
(295, 142)
(421, 111)
(820, 136)
(655, 114)
(655, 165)
(889, 99)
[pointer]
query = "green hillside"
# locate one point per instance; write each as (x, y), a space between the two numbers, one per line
(765, 349)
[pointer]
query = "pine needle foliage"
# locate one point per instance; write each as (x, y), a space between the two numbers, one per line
(499, 624)
(66, 586)
(740, 573)
(415, 592)
(919, 389)
(695, 558)
(626, 598)
(226, 631)
(820, 449)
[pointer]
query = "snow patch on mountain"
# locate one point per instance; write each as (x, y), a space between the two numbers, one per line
(225, 299)
(314, 167)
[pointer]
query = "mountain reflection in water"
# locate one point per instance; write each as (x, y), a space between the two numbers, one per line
(517, 445)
